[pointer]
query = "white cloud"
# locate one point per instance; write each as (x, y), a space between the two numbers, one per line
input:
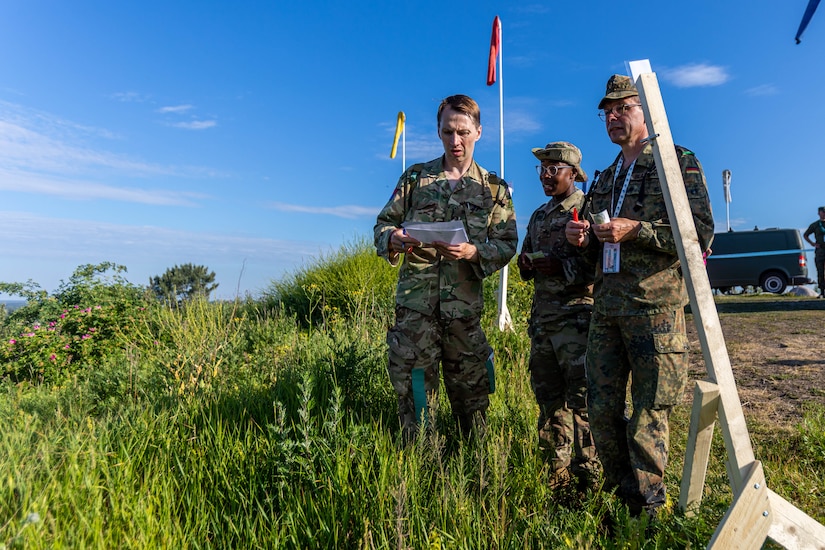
(696, 74)
(129, 97)
(41, 153)
(175, 109)
(345, 211)
(517, 121)
(196, 124)
(762, 90)
(79, 189)
(47, 250)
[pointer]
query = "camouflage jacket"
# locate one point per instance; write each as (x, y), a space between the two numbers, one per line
(650, 277)
(571, 290)
(426, 282)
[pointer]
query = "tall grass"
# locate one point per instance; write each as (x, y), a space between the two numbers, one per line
(271, 424)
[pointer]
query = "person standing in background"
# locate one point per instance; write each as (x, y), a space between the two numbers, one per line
(817, 229)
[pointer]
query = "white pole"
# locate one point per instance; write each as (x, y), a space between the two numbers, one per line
(404, 146)
(504, 320)
(726, 187)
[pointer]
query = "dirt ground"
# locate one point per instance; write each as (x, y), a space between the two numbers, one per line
(776, 347)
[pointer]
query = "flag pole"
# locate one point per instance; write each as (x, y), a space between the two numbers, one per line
(505, 321)
(404, 146)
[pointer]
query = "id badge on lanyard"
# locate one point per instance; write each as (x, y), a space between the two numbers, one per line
(610, 258)
(611, 253)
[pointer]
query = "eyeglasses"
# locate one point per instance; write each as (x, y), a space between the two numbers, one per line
(618, 110)
(551, 170)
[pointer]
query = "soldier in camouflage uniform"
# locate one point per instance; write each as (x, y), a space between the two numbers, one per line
(560, 316)
(638, 325)
(439, 298)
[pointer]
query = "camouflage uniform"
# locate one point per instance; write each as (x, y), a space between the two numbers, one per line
(439, 302)
(559, 320)
(817, 229)
(638, 328)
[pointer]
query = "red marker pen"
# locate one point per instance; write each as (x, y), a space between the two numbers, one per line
(575, 214)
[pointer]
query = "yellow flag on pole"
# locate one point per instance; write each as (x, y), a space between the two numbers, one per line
(399, 127)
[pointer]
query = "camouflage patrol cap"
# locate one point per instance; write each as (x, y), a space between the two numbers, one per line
(563, 151)
(619, 86)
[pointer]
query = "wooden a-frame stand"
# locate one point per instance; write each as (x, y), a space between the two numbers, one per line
(756, 513)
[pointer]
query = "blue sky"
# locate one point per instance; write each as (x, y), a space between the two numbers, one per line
(252, 137)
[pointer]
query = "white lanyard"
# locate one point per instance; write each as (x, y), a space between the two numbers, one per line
(624, 187)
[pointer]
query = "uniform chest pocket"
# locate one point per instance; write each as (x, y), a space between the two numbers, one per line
(475, 213)
(600, 199)
(426, 208)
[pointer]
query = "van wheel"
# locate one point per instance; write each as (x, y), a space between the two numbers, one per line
(773, 281)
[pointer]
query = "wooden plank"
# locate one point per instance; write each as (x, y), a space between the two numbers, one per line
(697, 453)
(748, 520)
(731, 418)
(792, 528)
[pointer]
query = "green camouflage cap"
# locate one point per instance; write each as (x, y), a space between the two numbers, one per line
(563, 151)
(619, 86)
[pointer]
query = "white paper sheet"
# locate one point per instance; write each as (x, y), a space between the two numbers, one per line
(449, 232)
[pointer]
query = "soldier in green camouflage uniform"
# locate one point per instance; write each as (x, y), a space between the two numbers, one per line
(638, 325)
(560, 316)
(439, 298)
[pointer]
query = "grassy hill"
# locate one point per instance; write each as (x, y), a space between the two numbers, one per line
(270, 423)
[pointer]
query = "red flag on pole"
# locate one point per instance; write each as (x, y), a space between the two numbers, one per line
(495, 46)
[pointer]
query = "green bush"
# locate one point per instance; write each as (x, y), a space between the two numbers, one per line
(351, 282)
(82, 323)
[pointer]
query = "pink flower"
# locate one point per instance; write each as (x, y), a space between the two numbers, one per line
(52, 357)
(36, 327)
(29, 334)
(51, 324)
(92, 329)
(12, 341)
(85, 336)
(66, 346)
(88, 310)
(63, 315)
(98, 307)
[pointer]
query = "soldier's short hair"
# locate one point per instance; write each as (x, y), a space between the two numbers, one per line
(821, 209)
(462, 104)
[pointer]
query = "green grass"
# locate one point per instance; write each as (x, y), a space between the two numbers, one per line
(271, 424)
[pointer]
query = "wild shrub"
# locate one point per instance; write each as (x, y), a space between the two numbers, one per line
(193, 344)
(352, 282)
(81, 323)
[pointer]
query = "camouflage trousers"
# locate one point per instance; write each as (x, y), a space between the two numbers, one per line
(557, 376)
(651, 351)
(418, 344)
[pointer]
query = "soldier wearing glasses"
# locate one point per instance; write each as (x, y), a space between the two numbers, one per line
(559, 317)
(637, 330)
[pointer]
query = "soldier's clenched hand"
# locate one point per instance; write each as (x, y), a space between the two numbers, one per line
(577, 233)
(401, 242)
(617, 230)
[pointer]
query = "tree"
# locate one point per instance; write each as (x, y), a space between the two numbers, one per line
(181, 283)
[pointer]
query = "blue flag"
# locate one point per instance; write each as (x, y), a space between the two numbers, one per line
(806, 18)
